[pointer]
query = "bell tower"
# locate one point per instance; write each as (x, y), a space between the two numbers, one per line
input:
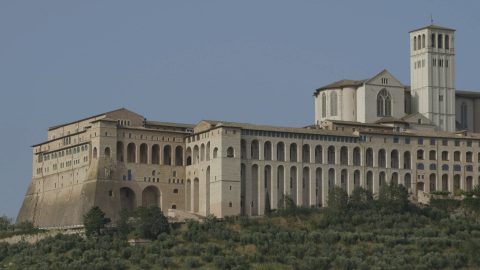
(432, 74)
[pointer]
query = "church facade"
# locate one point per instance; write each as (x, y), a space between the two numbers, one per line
(366, 133)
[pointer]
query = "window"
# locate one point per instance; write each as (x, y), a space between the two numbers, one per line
(414, 43)
(215, 152)
(447, 43)
(445, 142)
(407, 140)
(230, 152)
(333, 104)
(432, 141)
(420, 141)
(440, 98)
(175, 191)
(423, 41)
(94, 152)
(324, 105)
(384, 103)
(440, 41)
(432, 41)
(420, 154)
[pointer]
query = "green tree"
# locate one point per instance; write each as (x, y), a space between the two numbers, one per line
(123, 225)
(150, 222)
(360, 197)
(393, 196)
(5, 223)
(94, 221)
(337, 199)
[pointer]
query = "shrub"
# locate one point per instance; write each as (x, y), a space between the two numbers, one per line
(94, 221)
(150, 222)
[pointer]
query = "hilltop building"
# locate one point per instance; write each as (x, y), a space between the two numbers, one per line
(366, 133)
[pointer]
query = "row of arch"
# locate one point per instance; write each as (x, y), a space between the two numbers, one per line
(331, 155)
(150, 197)
(202, 153)
(150, 154)
(192, 194)
(333, 104)
(436, 40)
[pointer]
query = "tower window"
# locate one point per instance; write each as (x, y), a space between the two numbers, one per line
(433, 40)
(333, 104)
(324, 105)
(440, 41)
(423, 41)
(440, 98)
(447, 42)
(414, 43)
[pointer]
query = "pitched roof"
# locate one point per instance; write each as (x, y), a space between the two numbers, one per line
(341, 84)
(83, 119)
(433, 26)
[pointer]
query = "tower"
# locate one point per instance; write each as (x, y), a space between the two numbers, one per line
(432, 74)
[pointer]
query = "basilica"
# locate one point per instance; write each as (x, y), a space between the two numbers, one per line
(367, 133)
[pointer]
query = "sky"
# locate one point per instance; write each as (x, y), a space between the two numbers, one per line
(183, 61)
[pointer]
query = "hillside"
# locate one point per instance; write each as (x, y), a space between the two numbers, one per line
(354, 233)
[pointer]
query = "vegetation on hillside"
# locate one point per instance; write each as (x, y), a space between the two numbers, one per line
(355, 232)
(8, 228)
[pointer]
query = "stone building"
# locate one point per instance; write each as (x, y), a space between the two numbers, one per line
(366, 133)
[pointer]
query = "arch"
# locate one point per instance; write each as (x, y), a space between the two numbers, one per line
(167, 155)
(120, 151)
(143, 153)
(318, 154)
(384, 103)
(131, 155)
(433, 182)
(127, 199)
(267, 151)
(155, 154)
(188, 195)
(293, 152)
(306, 187)
(382, 158)
(215, 152)
(414, 43)
(230, 152)
(196, 155)
(318, 186)
(432, 155)
(293, 183)
(356, 156)
(445, 182)
(106, 152)
(151, 197)
(394, 160)
(394, 179)
(254, 150)
(369, 184)
(356, 179)
(280, 183)
(333, 103)
(331, 154)
(306, 153)
(447, 42)
(445, 155)
(243, 149)
(331, 178)
(456, 156)
(408, 181)
(254, 201)
(189, 156)
(196, 193)
(207, 152)
(280, 151)
(456, 182)
(369, 157)
(202, 152)
(267, 185)
(420, 186)
(178, 156)
(469, 157)
(469, 183)
(381, 179)
(344, 155)
(324, 105)
(423, 41)
(95, 154)
(243, 188)
(419, 45)
(344, 179)
(420, 154)
(407, 160)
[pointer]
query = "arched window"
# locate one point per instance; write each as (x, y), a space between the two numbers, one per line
(447, 42)
(419, 46)
(432, 40)
(215, 152)
(463, 115)
(333, 104)
(414, 43)
(384, 103)
(107, 151)
(423, 41)
(94, 152)
(324, 105)
(230, 152)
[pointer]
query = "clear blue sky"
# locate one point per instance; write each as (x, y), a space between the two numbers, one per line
(249, 61)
